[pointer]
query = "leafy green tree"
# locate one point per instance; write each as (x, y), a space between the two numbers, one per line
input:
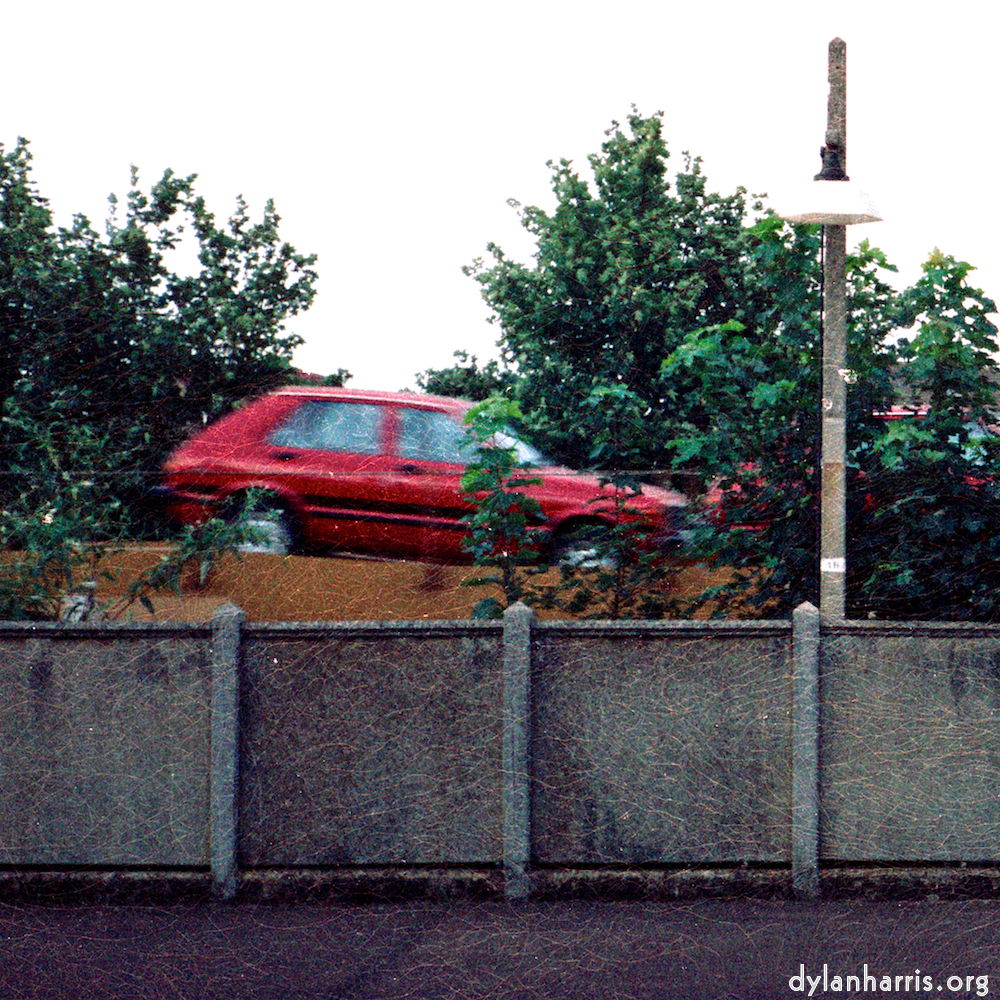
(661, 300)
(926, 504)
(616, 570)
(500, 526)
(622, 274)
(659, 308)
(921, 497)
(745, 403)
(109, 356)
(467, 380)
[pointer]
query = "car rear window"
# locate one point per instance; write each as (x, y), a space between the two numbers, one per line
(327, 425)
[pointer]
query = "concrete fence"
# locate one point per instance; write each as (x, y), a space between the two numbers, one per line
(528, 751)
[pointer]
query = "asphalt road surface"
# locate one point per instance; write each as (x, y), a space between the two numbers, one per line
(745, 949)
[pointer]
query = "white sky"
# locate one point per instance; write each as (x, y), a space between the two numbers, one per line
(391, 135)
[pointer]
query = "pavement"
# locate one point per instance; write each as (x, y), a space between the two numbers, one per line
(750, 949)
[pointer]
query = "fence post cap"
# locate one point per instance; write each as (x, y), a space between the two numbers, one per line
(519, 609)
(227, 610)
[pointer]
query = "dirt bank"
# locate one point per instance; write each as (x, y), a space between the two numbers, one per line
(300, 588)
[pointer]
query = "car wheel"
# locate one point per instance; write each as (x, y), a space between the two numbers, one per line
(268, 529)
(582, 546)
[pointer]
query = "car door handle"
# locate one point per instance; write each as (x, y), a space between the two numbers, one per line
(284, 456)
(409, 470)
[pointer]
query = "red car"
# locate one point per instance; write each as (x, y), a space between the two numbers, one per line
(376, 473)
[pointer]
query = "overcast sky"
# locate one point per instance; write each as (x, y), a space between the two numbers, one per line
(390, 135)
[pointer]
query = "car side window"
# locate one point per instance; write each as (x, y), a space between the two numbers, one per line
(328, 425)
(431, 436)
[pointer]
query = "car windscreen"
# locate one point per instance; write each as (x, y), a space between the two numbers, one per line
(433, 436)
(526, 454)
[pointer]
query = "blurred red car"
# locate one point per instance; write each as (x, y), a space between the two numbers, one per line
(377, 473)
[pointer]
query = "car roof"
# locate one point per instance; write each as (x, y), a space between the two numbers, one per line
(377, 396)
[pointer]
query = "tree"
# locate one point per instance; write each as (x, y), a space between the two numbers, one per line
(624, 574)
(922, 500)
(110, 357)
(704, 332)
(744, 417)
(467, 380)
(926, 503)
(621, 275)
(499, 527)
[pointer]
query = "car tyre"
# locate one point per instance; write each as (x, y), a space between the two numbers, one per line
(579, 547)
(270, 526)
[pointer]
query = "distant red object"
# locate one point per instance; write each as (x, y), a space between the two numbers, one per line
(902, 413)
(733, 506)
(375, 473)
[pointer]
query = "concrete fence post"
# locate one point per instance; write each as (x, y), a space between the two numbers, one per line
(227, 625)
(805, 751)
(516, 750)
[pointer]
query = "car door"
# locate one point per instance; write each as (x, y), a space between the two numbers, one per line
(430, 450)
(331, 456)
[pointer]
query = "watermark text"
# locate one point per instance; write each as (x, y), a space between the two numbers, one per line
(817, 982)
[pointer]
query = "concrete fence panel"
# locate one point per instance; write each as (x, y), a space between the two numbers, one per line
(910, 762)
(658, 743)
(104, 746)
(514, 747)
(371, 745)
